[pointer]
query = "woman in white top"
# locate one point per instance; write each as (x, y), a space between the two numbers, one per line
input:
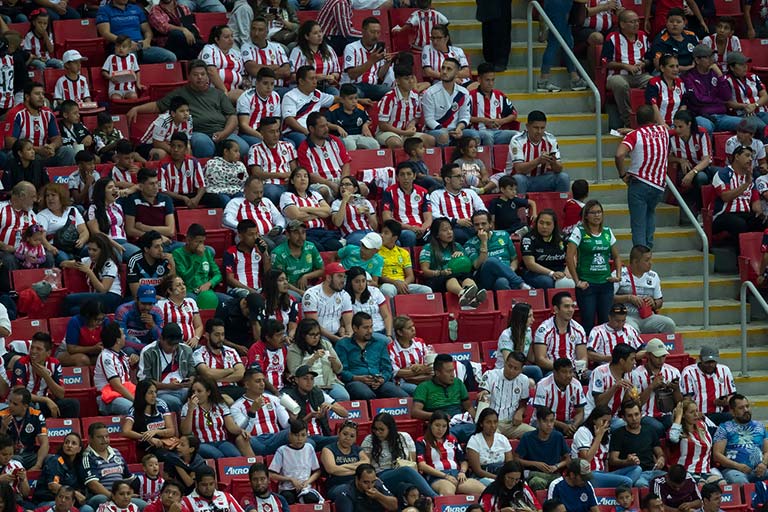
(113, 372)
(177, 308)
(102, 275)
(393, 454)
(224, 62)
(298, 202)
(106, 216)
(517, 337)
(369, 299)
(57, 214)
(312, 45)
(487, 450)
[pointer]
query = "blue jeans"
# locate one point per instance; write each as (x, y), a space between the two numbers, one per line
(295, 138)
(311, 5)
(719, 123)
(218, 450)
(71, 14)
(356, 237)
(273, 192)
(538, 281)
(596, 300)
(204, 6)
(73, 301)
(397, 480)
(442, 132)
(625, 476)
(461, 234)
(408, 387)
(491, 137)
(495, 275)
(203, 146)
(646, 476)
(129, 249)
(407, 238)
(267, 444)
(19, 18)
(250, 139)
(533, 372)
(174, 399)
(463, 431)
(642, 200)
(338, 392)
(319, 442)
(372, 91)
(549, 182)
(119, 406)
(360, 391)
(558, 11)
(735, 476)
(156, 55)
(324, 239)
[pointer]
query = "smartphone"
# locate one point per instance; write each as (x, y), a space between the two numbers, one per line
(272, 10)
(380, 46)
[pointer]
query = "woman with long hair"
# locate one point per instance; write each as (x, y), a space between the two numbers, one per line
(81, 345)
(24, 166)
(509, 491)
(105, 216)
(408, 354)
(543, 251)
(689, 431)
(224, 62)
(298, 202)
(62, 470)
(369, 299)
(57, 215)
(487, 449)
(278, 303)
(102, 274)
(340, 460)
(438, 49)
(517, 337)
(207, 416)
(664, 93)
(691, 149)
(309, 348)
(590, 442)
(352, 213)
(393, 454)
(113, 372)
(177, 308)
(154, 425)
(312, 50)
(441, 459)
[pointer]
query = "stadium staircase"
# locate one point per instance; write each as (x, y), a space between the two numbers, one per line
(678, 251)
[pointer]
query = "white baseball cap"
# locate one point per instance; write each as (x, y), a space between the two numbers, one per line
(72, 55)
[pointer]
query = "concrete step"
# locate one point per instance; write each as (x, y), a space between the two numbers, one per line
(757, 360)
(677, 263)
(469, 31)
(518, 56)
(516, 80)
(563, 102)
(573, 124)
(665, 239)
(617, 215)
(679, 288)
(725, 336)
(608, 191)
(755, 384)
(587, 170)
(758, 407)
(583, 147)
(465, 10)
(721, 311)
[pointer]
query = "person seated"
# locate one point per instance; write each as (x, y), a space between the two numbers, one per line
(747, 135)
(31, 443)
(434, 53)
(740, 445)
(272, 160)
(605, 337)
(698, 380)
(366, 493)
(491, 110)
(112, 146)
(147, 485)
(260, 52)
(476, 176)
(325, 157)
(185, 465)
(573, 211)
(748, 92)
(562, 393)
(507, 390)
(257, 103)
(102, 466)
(573, 490)
(72, 85)
(149, 266)
(456, 203)
(253, 206)
(367, 64)
(81, 345)
(666, 93)
(300, 202)
(543, 253)
(550, 342)
(636, 444)
(543, 451)
(690, 433)
(73, 131)
(271, 354)
(353, 214)
(156, 141)
(262, 496)
(140, 319)
(180, 309)
(83, 179)
(296, 468)
(397, 276)
(723, 41)
(678, 490)
(206, 491)
(182, 178)
(300, 102)
(691, 149)
(408, 204)
(675, 40)
(407, 353)
(112, 374)
(101, 274)
(219, 363)
(196, 266)
(446, 107)
(330, 304)
(707, 91)
(400, 111)
(610, 383)
(260, 414)
(148, 210)
(245, 262)
(493, 255)
(350, 120)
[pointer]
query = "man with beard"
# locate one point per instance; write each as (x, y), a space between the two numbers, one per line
(709, 384)
(262, 499)
(247, 261)
(740, 446)
(330, 304)
(636, 444)
(220, 363)
(170, 498)
(650, 378)
(151, 265)
(206, 497)
(446, 107)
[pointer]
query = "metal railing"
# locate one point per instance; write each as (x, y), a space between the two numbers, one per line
(747, 285)
(533, 4)
(704, 245)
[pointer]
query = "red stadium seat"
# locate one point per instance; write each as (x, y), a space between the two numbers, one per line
(140, 126)
(205, 21)
(218, 237)
(162, 78)
(100, 90)
(506, 299)
(457, 503)
(58, 429)
(401, 41)
(636, 100)
(426, 311)
(478, 326)
(500, 153)
(551, 292)
(80, 35)
(77, 382)
(606, 499)
(732, 498)
(452, 303)
(728, 8)
(461, 351)
(114, 424)
(240, 488)
(554, 200)
(483, 154)
(306, 16)
(23, 279)
(718, 147)
(400, 409)
(358, 15)
(76, 281)
(311, 507)
(21, 28)
(433, 157)
(369, 159)
(488, 351)
(50, 77)
(358, 412)
(748, 490)
(58, 326)
(228, 468)
(750, 256)
(60, 174)
(24, 328)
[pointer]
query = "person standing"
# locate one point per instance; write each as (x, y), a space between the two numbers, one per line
(495, 17)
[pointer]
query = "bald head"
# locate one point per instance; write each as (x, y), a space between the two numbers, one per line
(23, 189)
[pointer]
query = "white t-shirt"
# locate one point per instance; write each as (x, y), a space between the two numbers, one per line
(52, 222)
(75, 181)
(386, 461)
(647, 284)
(494, 454)
(329, 309)
(758, 149)
(505, 394)
(371, 306)
(506, 343)
(110, 269)
(294, 463)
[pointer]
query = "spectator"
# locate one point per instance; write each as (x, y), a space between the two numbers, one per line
(591, 442)
(446, 393)
(534, 158)
(488, 449)
(151, 424)
(490, 109)
(324, 156)
(674, 40)
(517, 338)
(242, 319)
(543, 451)
(218, 363)
(24, 166)
(407, 353)
(678, 490)
(397, 276)
(208, 417)
(83, 338)
(365, 493)
(296, 468)
(507, 391)
(549, 342)
(399, 111)
(598, 22)
(262, 496)
(102, 466)
(271, 354)
(112, 374)
(574, 489)
(558, 13)
(354, 215)
(366, 63)
(640, 290)
(690, 433)
(335, 19)
(148, 210)
(364, 255)
(665, 92)
(300, 202)
(636, 444)
(298, 258)
(272, 160)
(172, 30)
(225, 174)
(31, 443)
(509, 491)
(156, 141)
(122, 60)
(711, 497)
(223, 62)
(651, 503)
(170, 496)
(748, 92)
(206, 497)
(370, 300)
(350, 120)
(434, 53)
(258, 103)
(150, 266)
(610, 383)
(177, 308)
(300, 102)
(105, 216)
(246, 262)
(563, 394)
(278, 302)
(195, 264)
(118, 17)
(330, 304)
(746, 133)
(83, 180)
(63, 471)
(60, 217)
(710, 384)
(591, 247)
(257, 51)
(260, 414)
(605, 337)
(493, 255)
(341, 458)
(313, 51)
(442, 121)
(737, 202)
(187, 463)
(408, 204)
(723, 41)
(707, 92)
(169, 364)
(476, 176)
(625, 52)
(140, 319)
(543, 253)
(456, 203)
(182, 178)
(691, 148)
(101, 274)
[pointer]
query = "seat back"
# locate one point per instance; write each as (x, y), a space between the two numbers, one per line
(551, 292)
(59, 428)
(358, 411)
(209, 218)
(75, 377)
(21, 28)
(460, 351)
(23, 279)
(673, 342)
(401, 41)
(553, 200)
(433, 158)
(506, 299)
(228, 468)
(452, 304)
(718, 146)
(731, 496)
(458, 503)
(476, 326)
(370, 159)
(484, 153)
(422, 303)
(24, 328)
(50, 77)
(140, 125)
(205, 21)
(396, 407)
(750, 252)
(60, 174)
(728, 8)
(58, 328)
(500, 153)
(120, 122)
(84, 28)
(358, 15)
(606, 499)
(162, 73)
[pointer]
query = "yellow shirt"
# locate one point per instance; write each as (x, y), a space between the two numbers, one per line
(396, 260)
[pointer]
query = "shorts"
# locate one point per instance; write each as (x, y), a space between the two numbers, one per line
(449, 472)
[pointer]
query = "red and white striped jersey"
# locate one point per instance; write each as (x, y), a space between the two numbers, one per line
(460, 205)
(353, 219)
(116, 220)
(668, 98)
(695, 450)
(445, 455)
(433, 58)
(226, 358)
(600, 380)
(323, 65)
(326, 160)
(111, 364)
(424, 20)
(602, 21)
(355, 54)
(747, 89)
(185, 179)
(642, 379)
(335, 18)
(24, 375)
(245, 267)
(257, 108)
(398, 111)
(705, 389)
(582, 440)
(298, 105)
(208, 425)
(649, 151)
(269, 504)
(149, 488)
(272, 361)
(522, 149)
(110, 506)
(728, 179)
(68, 89)
(495, 105)
(402, 358)
(229, 65)
(163, 128)
(560, 344)
(221, 502)
(265, 214)
(563, 402)
(37, 128)
(268, 419)
(182, 314)
(406, 208)
(116, 64)
(35, 46)
(694, 149)
(491, 503)
(13, 222)
(271, 55)
(617, 48)
(312, 200)
(273, 160)
(125, 175)
(731, 45)
(603, 338)
(6, 82)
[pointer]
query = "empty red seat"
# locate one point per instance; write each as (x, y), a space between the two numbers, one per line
(750, 256)
(228, 468)
(205, 21)
(428, 315)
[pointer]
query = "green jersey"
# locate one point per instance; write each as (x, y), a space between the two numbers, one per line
(196, 269)
(308, 261)
(500, 246)
(594, 254)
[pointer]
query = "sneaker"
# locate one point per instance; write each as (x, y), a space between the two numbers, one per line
(522, 231)
(543, 33)
(546, 86)
(478, 299)
(467, 295)
(525, 286)
(578, 84)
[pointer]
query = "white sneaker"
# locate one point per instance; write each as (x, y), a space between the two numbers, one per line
(525, 286)
(546, 86)
(467, 295)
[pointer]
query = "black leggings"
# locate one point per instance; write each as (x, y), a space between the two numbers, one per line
(736, 223)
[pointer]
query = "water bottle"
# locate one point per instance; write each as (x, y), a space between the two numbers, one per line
(453, 327)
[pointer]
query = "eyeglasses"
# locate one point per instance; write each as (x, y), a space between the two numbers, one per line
(349, 424)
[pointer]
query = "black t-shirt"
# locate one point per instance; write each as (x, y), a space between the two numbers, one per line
(237, 326)
(361, 502)
(24, 431)
(641, 444)
(341, 459)
(505, 212)
(546, 254)
(142, 272)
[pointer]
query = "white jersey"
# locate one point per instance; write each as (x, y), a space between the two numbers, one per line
(298, 105)
(229, 65)
(603, 338)
(271, 55)
(355, 54)
(116, 65)
(329, 310)
(649, 284)
(505, 394)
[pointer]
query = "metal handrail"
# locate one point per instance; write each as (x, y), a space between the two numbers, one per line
(704, 244)
(569, 53)
(747, 285)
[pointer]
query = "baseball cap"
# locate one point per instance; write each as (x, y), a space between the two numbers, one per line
(709, 354)
(255, 306)
(147, 294)
(295, 224)
(172, 332)
(657, 347)
(303, 371)
(334, 268)
(702, 51)
(747, 125)
(371, 241)
(580, 467)
(253, 369)
(736, 58)
(71, 56)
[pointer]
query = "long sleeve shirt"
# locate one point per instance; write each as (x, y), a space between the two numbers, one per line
(706, 93)
(196, 269)
(372, 360)
(444, 110)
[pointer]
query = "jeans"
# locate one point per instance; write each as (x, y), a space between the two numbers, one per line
(338, 392)
(356, 237)
(273, 192)
(319, 442)
(549, 182)
(625, 476)
(719, 123)
(408, 387)
(267, 444)
(71, 14)
(558, 11)
(119, 406)
(311, 5)
(295, 138)
(463, 431)
(372, 91)
(156, 55)
(129, 249)
(646, 476)
(540, 281)
(736, 223)
(492, 137)
(177, 43)
(735, 476)
(443, 132)
(407, 238)
(653, 324)
(218, 450)
(324, 239)
(250, 139)
(642, 200)
(495, 275)
(174, 399)
(397, 480)
(204, 6)
(596, 300)
(359, 391)
(533, 372)
(428, 182)
(461, 234)
(50, 63)
(73, 301)
(204, 147)
(389, 290)
(353, 142)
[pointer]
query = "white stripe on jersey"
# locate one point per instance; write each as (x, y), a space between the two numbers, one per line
(185, 180)
(397, 111)
(271, 55)
(273, 160)
(182, 314)
(229, 65)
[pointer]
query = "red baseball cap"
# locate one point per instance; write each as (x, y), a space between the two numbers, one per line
(334, 268)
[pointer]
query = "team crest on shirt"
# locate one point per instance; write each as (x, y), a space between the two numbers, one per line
(284, 150)
(349, 58)
(206, 56)
(598, 383)
(690, 47)
(205, 266)
(307, 303)
(454, 106)
(160, 270)
(29, 429)
(359, 121)
(266, 507)
(648, 282)
(714, 81)
(268, 406)
(188, 172)
(583, 497)
(338, 300)
(677, 91)
(308, 258)
(638, 44)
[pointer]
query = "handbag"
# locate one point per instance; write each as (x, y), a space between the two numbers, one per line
(401, 462)
(108, 393)
(66, 237)
(645, 310)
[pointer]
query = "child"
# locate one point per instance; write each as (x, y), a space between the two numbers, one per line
(573, 207)
(271, 352)
(72, 85)
(148, 485)
(410, 496)
(745, 136)
(81, 181)
(296, 467)
(414, 147)
(11, 466)
(282, 20)
(72, 130)
(723, 41)
(122, 492)
(182, 466)
(156, 141)
(21, 60)
(504, 209)
(121, 70)
(107, 136)
(423, 20)
(475, 174)
(351, 121)
(30, 253)
(39, 41)
(624, 500)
